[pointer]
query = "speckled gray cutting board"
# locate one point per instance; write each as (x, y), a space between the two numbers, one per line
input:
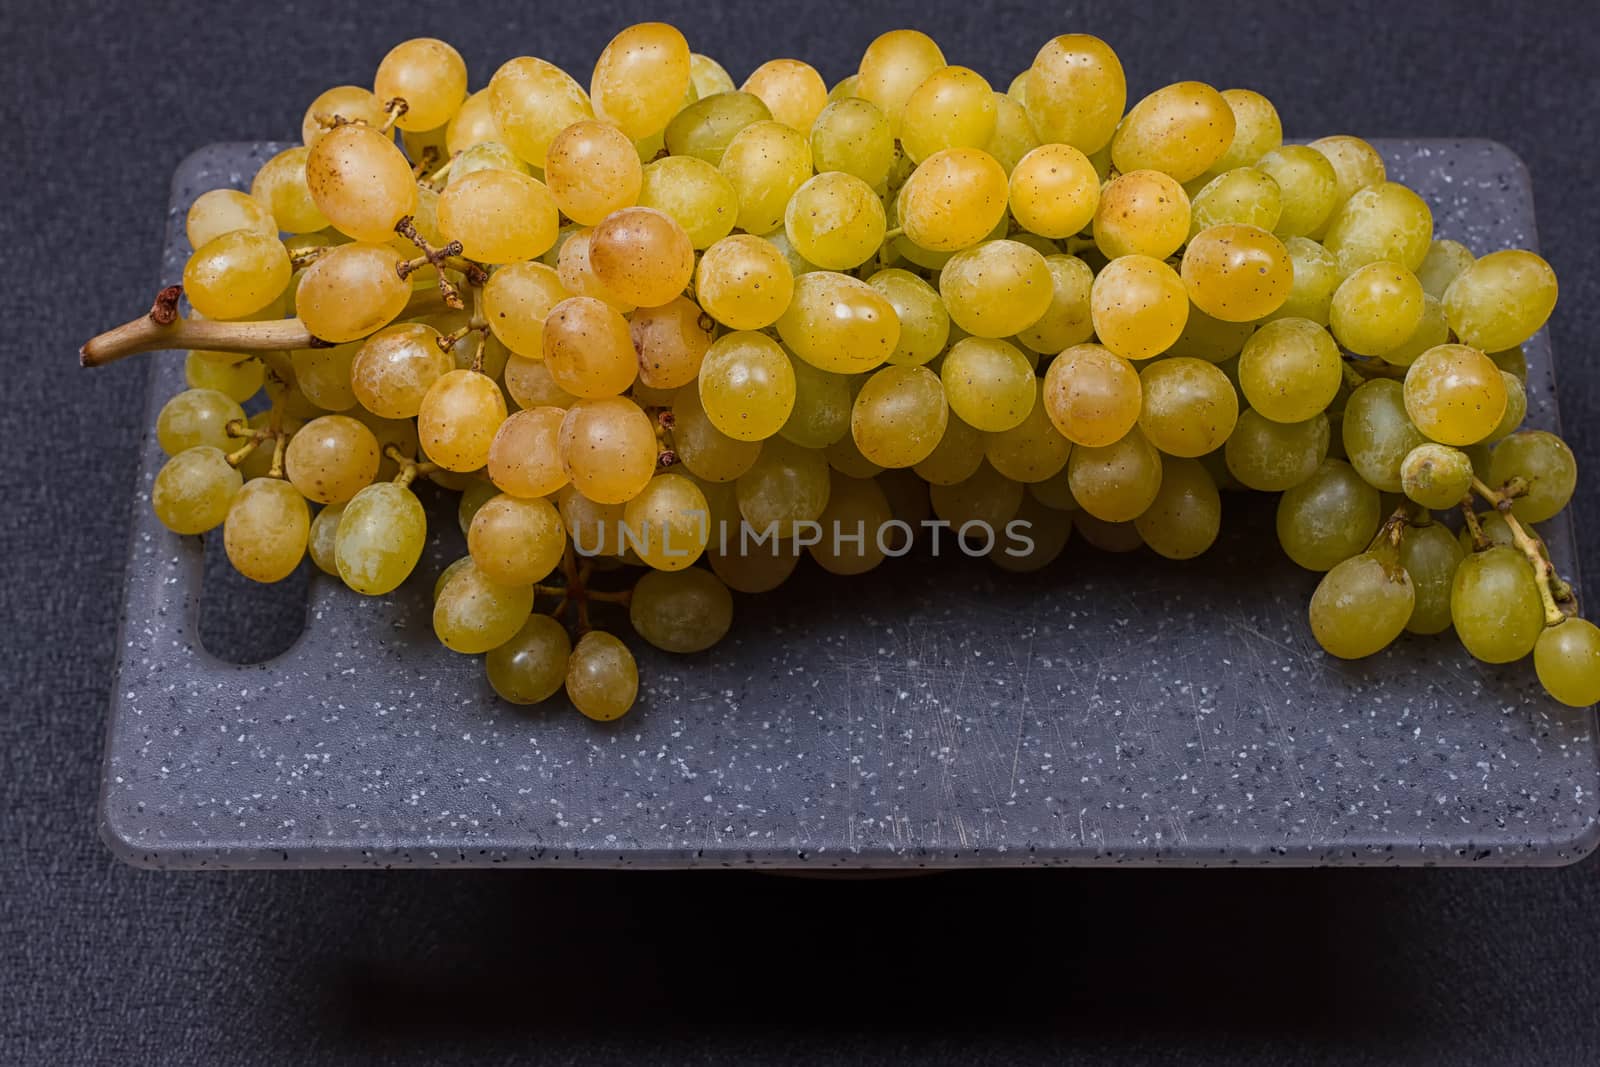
(1112, 709)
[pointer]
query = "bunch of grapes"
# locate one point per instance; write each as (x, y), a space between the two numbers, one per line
(671, 324)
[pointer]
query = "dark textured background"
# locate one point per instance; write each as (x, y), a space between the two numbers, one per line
(101, 963)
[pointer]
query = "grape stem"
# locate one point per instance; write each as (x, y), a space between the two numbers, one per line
(447, 256)
(393, 110)
(410, 469)
(304, 257)
(161, 329)
(432, 180)
(1480, 540)
(280, 441)
(1544, 572)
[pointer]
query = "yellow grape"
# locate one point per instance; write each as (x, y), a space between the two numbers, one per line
(695, 194)
(197, 417)
(1189, 407)
(1381, 223)
(892, 67)
(997, 288)
(835, 220)
(1257, 130)
(1455, 394)
(1308, 188)
(641, 78)
(1376, 308)
(525, 457)
(530, 384)
(517, 299)
(266, 530)
(956, 457)
(1116, 482)
(1075, 92)
(602, 677)
(1237, 273)
(323, 375)
(1290, 370)
(671, 341)
(473, 613)
(1444, 263)
(1181, 130)
(429, 75)
(1501, 300)
(350, 291)
(280, 184)
(856, 512)
(756, 568)
(322, 543)
(380, 537)
(459, 416)
(1356, 163)
(531, 667)
(706, 127)
(221, 211)
(1142, 213)
(588, 348)
(488, 155)
(1211, 339)
(1054, 191)
(793, 91)
(516, 540)
(1244, 195)
(707, 452)
(953, 199)
(1069, 319)
(747, 385)
(641, 256)
(472, 124)
(786, 485)
(988, 382)
(1139, 306)
(592, 170)
(744, 282)
(1092, 395)
(361, 182)
(394, 369)
(1013, 136)
(531, 102)
(608, 447)
(839, 323)
(766, 162)
(952, 108)
(194, 490)
(924, 321)
(1316, 278)
(339, 105)
(595, 529)
(899, 416)
(576, 272)
(499, 216)
(988, 499)
(237, 381)
(331, 458)
(668, 523)
(852, 136)
(1033, 450)
(236, 274)
(708, 76)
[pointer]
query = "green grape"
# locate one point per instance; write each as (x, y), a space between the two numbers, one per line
(838, 323)
(1308, 188)
(1181, 130)
(609, 448)
(989, 383)
(852, 526)
(1257, 129)
(1495, 606)
(671, 341)
(747, 386)
(531, 667)
(1362, 605)
(1092, 395)
(1138, 306)
(1385, 223)
(744, 282)
(988, 500)
(1436, 476)
(892, 67)
(322, 543)
(786, 485)
(706, 127)
(792, 90)
(1075, 92)
(899, 416)
(1290, 369)
(332, 458)
(1546, 468)
(1116, 482)
(1455, 394)
(221, 211)
(516, 540)
(1430, 554)
(1316, 279)
(1512, 361)
(641, 78)
(1013, 136)
(197, 417)
(835, 220)
(695, 194)
(924, 322)
(1378, 434)
(236, 274)
(1329, 517)
(1033, 450)
(956, 457)
(706, 451)
(1210, 339)
(458, 419)
(1245, 195)
(1431, 331)
(1377, 308)
(194, 489)
(1444, 263)
(473, 613)
(1275, 456)
(1567, 659)
(853, 136)
(681, 611)
(1069, 319)
(1141, 213)
(1356, 164)
(1495, 530)
(953, 200)
(1516, 407)
(766, 162)
(953, 107)
(997, 288)
(379, 538)
(1237, 273)
(361, 182)
(1189, 406)
(821, 413)
(1186, 515)
(266, 529)
(351, 291)
(602, 677)
(592, 170)
(1501, 300)
(1047, 534)
(280, 184)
